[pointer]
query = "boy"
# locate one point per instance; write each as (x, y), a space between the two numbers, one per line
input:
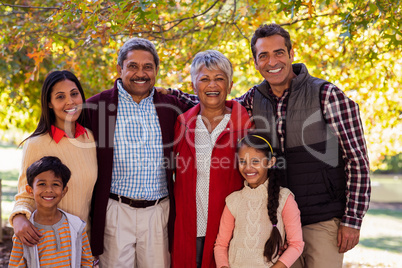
(64, 241)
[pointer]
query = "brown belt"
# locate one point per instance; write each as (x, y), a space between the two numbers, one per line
(135, 203)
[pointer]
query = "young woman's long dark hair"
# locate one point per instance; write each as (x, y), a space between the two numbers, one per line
(47, 117)
(261, 143)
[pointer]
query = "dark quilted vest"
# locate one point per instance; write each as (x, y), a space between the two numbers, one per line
(314, 166)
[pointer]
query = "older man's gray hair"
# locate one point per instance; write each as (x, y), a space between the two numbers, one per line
(137, 44)
(212, 60)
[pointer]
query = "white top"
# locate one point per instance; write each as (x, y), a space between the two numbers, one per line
(204, 144)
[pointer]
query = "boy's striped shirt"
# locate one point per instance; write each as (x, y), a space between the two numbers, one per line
(54, 247)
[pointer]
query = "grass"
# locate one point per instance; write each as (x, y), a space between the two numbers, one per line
(9, 180)
(388, 243)
(386, 213)
(9, 184)
(387, 240)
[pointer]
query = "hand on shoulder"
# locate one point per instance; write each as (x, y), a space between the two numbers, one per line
(25, 231)
(163, 90)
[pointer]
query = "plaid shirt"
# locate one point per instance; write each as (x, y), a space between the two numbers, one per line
(343, 117)
(138, 151)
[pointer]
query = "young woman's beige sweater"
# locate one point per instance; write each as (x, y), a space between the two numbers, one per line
(79, 155)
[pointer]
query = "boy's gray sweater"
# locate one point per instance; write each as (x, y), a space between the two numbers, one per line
(76, 226)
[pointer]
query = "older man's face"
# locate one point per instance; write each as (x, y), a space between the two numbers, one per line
(138, 74)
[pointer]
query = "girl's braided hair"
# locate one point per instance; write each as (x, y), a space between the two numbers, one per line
(261, 143)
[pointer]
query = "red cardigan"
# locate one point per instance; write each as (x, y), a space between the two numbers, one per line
(224, 180)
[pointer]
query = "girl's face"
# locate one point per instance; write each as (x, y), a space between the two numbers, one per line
(254, 165)
(66, 102)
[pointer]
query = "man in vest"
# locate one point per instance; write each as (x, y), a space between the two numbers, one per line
(319, 130)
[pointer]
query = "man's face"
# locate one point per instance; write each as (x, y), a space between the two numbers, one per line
(274, 62)
(138, 74)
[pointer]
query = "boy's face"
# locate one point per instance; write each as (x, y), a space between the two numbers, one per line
(47, 190)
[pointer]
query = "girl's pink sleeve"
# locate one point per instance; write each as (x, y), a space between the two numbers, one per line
(224, 236)
(294, 237)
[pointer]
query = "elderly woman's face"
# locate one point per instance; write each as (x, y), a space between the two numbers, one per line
(212, 87)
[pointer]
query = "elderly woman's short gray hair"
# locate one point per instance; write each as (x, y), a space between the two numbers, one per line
(212, 60)
(137, 44)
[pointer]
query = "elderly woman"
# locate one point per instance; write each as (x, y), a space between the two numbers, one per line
(206, 173)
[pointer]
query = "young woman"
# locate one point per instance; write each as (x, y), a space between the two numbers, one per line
(59, 133)
(255, 219)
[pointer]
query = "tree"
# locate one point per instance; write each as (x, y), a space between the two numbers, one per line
(355, 44)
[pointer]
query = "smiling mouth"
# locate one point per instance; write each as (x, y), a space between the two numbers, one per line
(251, 174)
(275, 71)
(141, 81)
(212, 93)
(48, 198)
(71, 111)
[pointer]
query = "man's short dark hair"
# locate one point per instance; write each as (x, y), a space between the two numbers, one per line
(267, 30)
(45, 164)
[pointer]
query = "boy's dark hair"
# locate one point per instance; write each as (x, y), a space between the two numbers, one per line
(267, 30)
(258, 141)
(48, 163)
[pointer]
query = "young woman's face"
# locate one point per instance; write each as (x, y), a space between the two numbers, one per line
(254, 165)
(66, 102)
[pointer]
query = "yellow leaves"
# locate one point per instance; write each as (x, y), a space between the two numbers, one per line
(310, 7)
(86, 8)
(130, 6)
(102, 32)
(71, 63)
(30, 76)
(8, 58)
(202, 24)
(243, 10)
(37, 56)
(85, 35)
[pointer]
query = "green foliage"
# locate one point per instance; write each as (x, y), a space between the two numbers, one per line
(355, 44)
(390, 165)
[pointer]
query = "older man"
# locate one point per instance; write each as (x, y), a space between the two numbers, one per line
(319, 130)
(134, 129)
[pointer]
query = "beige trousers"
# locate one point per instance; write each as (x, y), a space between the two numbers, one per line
(320, 248)
(136, 237)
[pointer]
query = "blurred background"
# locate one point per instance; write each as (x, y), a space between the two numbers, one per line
(354, 44)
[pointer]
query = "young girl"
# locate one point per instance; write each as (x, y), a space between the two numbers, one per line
(59, 133)
(256, 218)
